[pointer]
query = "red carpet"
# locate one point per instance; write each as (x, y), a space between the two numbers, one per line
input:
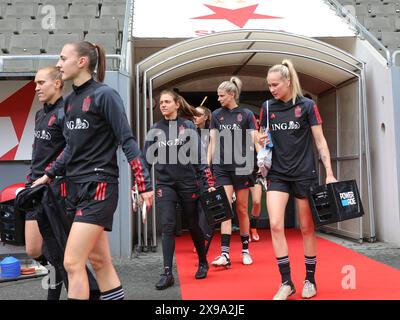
(261, 280)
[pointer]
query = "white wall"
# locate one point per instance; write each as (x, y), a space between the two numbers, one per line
(380, 108)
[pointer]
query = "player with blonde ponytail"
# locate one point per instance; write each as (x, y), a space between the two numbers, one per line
(293, 122)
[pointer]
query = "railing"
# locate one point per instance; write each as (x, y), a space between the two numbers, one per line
(346, 14)
(39, 57)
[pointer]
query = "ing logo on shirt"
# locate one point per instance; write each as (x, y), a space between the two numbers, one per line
(234, 126)
(291, 125)
(43, 135)
(78, 124)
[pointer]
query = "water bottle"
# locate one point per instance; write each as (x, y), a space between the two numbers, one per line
(270, 144)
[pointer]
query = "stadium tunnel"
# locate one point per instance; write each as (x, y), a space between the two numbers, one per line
(334, 78)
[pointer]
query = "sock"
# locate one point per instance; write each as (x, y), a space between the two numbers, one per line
(245, 243)
(310, 268)
(113, 294)
(167, 270)
(225, 244)
(54, 291)
(253, 222)
(284, 269)
(94, 294)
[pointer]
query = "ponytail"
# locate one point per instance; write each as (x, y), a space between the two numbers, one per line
(288, 72)
(186, 110)
(101, 63)
(234, 85)
(96, 56)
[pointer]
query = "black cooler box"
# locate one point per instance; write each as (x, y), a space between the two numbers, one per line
(335, 202)
(216, 206)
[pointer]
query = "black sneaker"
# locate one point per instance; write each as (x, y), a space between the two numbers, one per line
(202, 270)
(167, 280)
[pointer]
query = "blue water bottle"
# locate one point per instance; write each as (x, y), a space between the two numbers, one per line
(270, 144)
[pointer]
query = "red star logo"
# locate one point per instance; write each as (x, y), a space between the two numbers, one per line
(17, 107)
(238, 17)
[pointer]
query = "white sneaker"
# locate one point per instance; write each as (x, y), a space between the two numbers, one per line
(285, 290)
(309, 290)
(246, 258)
(222, 261)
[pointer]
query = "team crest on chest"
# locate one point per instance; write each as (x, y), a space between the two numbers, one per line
(86, 104)
(273, 116)
(69, 108)
(239, 117)
(51, 120)
(297, 112)
(181, 129)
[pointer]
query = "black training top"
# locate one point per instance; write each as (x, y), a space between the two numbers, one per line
(290, 127)
(232, 123)
(95, 124)
(49, 141)
(174, 147)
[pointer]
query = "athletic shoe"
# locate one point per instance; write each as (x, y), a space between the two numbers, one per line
(285, 290)
(254, 234)
(202, 270)
(246, 258)
(222, 261)
(309, 290)
(166, 280)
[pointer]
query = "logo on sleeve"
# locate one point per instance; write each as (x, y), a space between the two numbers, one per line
(86, 104)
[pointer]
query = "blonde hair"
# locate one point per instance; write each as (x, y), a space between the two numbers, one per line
(234, 85)
(288, 72)
(54, 73)
(185, 109)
